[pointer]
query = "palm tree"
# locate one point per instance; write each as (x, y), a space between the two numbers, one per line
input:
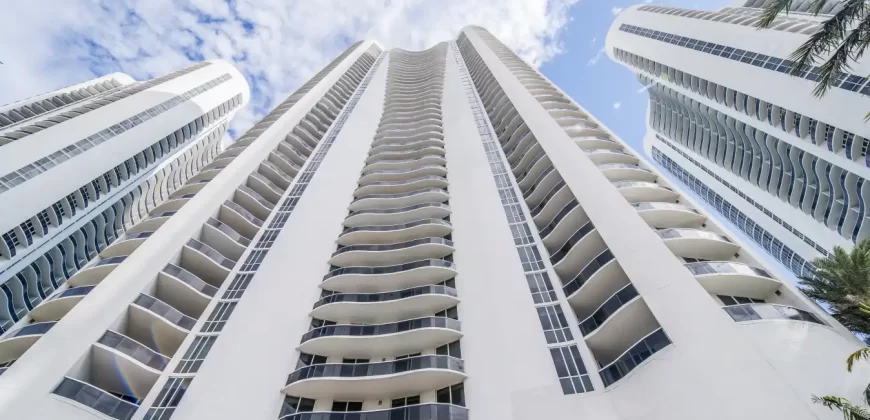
(851, 411)
(842, 38)
(842, 281)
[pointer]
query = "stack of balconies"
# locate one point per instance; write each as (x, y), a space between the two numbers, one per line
(617, 325)
(386, 326)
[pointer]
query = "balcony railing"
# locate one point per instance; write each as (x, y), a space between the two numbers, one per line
(134, 349)
(757, 311)
(725, 267)
(347, 370)
(587, 272)
(386, 297)
(381, 329)
(608, 308)
(190, 279)
(393, 247)
(389, 269)
(634, 356)
(212, 254)
(95, 398)
(165, 311)
(430, 411)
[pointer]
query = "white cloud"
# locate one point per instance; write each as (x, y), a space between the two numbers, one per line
(593, 40)
(617, 105)
(594, 60)
(277, 44)
(616, 10)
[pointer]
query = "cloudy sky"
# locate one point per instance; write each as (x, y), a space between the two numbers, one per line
(278, 44)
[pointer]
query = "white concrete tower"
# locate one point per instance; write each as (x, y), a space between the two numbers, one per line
(728, 120)
(431, 235)
(81, 165)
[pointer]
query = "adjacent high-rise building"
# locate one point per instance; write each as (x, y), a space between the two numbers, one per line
(81, 165)
(728, 120)
(431, 235)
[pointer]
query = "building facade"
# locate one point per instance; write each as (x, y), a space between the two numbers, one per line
(728, 120)
(440, 234)
(83, 164)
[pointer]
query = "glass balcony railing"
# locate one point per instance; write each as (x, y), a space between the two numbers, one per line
(96, 399)
(430, 411)
(388, 228)
(223, 227)
(38, 328)
(244, 213)
(662, 206)
(575, 238)
(608, 308)
(757, 311)
(389, 269)
(190, 279)
(690, 233)
(165, 311)
(386, 297)
(212, 254)
(404, 171)
(634, 356)
(393, 247)
(357, 370)
(587, 272)
(556, 188)
(381, 329)
(74, 291)
(400, 209)
(559, 216)
(404, 181)
(134, 349)
(400, 195)
(112, 260)
(644, 184)
(725, 267)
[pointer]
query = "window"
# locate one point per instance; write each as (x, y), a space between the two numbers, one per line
(737, 300)
(344, 406)
(317, 323)
(168, 398)
(449, 313)
(570, 369)
(405, 401)
(451, 349)
(218, 317)
(195, 354)
(238, 286)
(293, 405)
(306, 359)
(541, 287)
(554, 324)
(454, 394)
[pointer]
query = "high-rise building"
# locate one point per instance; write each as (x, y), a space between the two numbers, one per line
(440, 234)
(728, 121)
(81, 165)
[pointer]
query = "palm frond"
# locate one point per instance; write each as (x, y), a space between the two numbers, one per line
(831, 36)
(772, 11)
(850, 411)
(862, 354)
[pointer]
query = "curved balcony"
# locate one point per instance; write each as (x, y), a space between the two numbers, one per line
(584, 244)
(407, 145)
(618, 303)
(402, 174)
(126, 246)
(225, 231)
(553, 202)
(127, 358)
(734, 279)
(602, 271)
(366, 341)
(55, 308)
(93, 275)
(762, 311)
(204, 258)
(397, 155)
(664, 214)
(404, 137)
(541, 186)
(253, 202)
(152, 223)
(239, 219)
(594, 142)
(95, 399)
(536, 167)
(603, 156)
(393, 234)
(627, 320)
(389, 201)
(626, 172)
(397, 215)
(363, 381)
(164, 325)
(401, 186)
(696, 243)
(635, 191)
(184, 290)
(404, 163)
(15, 343)
(394, 277)
(383, 307)
(634, 356)
(392, 253)
(426, 411)
(563, 224)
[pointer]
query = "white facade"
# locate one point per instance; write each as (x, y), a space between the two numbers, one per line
(787, 168)
(81, 165)
(428, 235)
